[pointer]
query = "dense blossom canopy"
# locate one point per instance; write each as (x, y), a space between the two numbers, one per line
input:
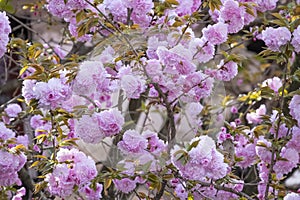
(168, 92)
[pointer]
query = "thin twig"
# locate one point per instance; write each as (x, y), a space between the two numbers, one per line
(227, 189)
(30, 29)
(188, 25)
(171, 129)
(117, 28)
(10, 101)
(136, 194)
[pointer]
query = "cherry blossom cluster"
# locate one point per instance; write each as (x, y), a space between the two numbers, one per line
(275, 38)
(74, 169)
(202, 161)
(171, 65)
(294, 108)
(138, 150)
(49, 95)
(11, 112)
(11, 162)
(4, 32)
(176, 68)
(92, 129)
(140, 11)
(250, 149)
(66, 10)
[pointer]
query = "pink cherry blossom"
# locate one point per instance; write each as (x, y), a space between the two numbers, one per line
(274, 38)
(216, 34)
(4, 31)
(255, 117)
(110, 122)
(296, 39)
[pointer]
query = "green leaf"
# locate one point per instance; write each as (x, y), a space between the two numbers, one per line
(107, 183)
(261, 130)
(153, 178)
(40, 156)
(23, 70)
(267, 92)
(9, 8)
(194, 144)
(281, 21)
(34, 164)
(177, 24)
(80, 16)
(6, 5)
(70, 142)
(39, 186)
(214, 4)
(250, 11)
(173, 2)
(278, 22)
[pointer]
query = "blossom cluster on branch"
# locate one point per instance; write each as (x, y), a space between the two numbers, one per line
(169, 58)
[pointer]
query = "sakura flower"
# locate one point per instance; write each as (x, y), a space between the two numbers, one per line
(5, 133)
(274, 83)
(87, 128)
(133, 86)
(64, 178)
(255, 117)
(294, 141)
(203, 160)
(10, 164)
(176, 60)
(132, 143)
(125, 185)
(296, 39)
(264, 5)
(202, 50)
(294, 107)
(216, 34)
(110, 122)
(181, 192)
(53, 93)
(292, 196)
(12, 110)
(282, 167)
(233, 15)
(85, 81)
(187, 7)
(274, 38)
(90, 193)
(225, 71)
(4, 31)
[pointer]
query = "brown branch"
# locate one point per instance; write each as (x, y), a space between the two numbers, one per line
(188, 25)
(171, 126)
(276, 134)
(30, 29)
(227, 189)
(15, 99)
(161, 191)
(117, 28)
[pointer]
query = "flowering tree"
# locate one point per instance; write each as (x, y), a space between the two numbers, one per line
(184, 111)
